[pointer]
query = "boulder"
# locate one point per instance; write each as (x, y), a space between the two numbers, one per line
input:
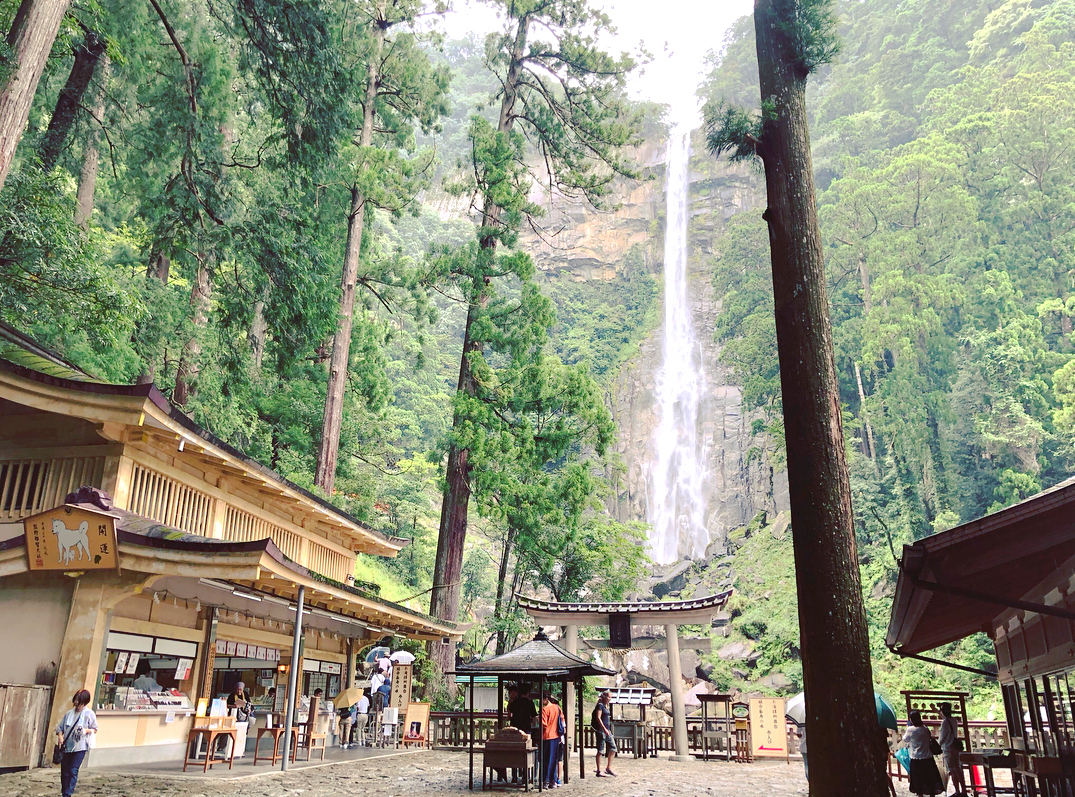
(674, 580)
(737, 651)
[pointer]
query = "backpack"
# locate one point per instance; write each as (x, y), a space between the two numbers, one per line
(561, 726)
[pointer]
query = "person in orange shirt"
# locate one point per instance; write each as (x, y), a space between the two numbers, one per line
(550, 740)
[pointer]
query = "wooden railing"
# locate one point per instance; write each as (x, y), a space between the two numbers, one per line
(169, 501)
(452, 729)
(328, 562)
(29, 486)
(241, 526)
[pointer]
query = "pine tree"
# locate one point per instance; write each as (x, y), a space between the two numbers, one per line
(565, 97)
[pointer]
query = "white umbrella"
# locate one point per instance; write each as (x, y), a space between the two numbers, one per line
(795, 710)
(402, 657)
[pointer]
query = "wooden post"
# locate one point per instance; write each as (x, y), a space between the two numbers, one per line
(582, 737)
(472, 736)
(675, 679)
(571, 645)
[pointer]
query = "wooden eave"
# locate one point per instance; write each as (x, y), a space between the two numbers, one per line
(1005, 555)
(258, 566)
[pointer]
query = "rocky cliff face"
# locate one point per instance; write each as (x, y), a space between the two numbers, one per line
(578, 242)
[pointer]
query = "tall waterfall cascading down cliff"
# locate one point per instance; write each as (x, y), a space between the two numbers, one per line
(675, 502)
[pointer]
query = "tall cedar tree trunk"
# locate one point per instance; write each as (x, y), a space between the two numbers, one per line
(832, 620)
(259, 331)
(332, 423)
(158, 268)
(501, 581)
(87, 56)
(201, 293)
(91, 156)
(31, 36)
(448, 566)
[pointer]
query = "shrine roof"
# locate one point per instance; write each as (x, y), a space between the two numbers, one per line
(695, 610)
(538, 657)
(1003, 556)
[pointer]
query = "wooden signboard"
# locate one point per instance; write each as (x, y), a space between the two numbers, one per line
(401, 686)
(768, 732)
(71, 538)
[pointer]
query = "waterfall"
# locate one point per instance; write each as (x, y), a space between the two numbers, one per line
(676, 506)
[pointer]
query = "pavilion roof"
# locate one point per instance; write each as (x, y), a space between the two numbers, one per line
(538, 657)
(695, 610)
(1004, 555)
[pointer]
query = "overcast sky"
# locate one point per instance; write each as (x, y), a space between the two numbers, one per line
(689, 29)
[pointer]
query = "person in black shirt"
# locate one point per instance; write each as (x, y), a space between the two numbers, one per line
(601, 721)
(523, 712)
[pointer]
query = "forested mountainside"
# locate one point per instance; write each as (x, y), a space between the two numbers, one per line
(189, 193)
(944, 148)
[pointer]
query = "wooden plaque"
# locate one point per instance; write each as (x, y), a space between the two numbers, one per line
(768, 732)
(71, 538)
(401, 686)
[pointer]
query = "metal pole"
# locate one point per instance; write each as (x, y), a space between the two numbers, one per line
(293, 676)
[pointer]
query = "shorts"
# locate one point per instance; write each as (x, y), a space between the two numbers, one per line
(605, 743)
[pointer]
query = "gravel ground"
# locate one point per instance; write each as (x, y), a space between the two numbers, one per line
(431, 772)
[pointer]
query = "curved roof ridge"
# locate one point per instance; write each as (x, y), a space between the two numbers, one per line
(630, 607)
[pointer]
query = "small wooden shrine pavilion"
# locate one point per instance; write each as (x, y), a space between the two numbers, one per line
(546, 663)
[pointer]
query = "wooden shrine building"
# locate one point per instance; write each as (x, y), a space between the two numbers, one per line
(137, 547)
(1010, 575)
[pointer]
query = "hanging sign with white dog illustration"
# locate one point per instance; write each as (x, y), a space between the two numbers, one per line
(71, 538)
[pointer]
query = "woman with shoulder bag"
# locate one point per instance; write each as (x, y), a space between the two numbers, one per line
(75, 735)
(924, 776)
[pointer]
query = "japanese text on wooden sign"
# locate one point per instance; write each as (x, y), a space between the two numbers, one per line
(768, 727)
(71, 538)
(401, 686)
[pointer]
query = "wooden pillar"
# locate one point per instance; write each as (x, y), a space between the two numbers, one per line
(208, 657)
(582, 738)
(86, 635)
(675, 679)
(571, 645)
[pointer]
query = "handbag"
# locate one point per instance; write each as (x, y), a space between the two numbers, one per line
(61, 747)
(934, 746)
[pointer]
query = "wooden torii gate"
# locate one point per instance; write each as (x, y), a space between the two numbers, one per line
(620, 617)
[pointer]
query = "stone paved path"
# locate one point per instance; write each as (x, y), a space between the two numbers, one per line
(435, 773)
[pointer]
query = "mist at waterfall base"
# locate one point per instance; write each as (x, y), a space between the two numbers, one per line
(675, 505)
